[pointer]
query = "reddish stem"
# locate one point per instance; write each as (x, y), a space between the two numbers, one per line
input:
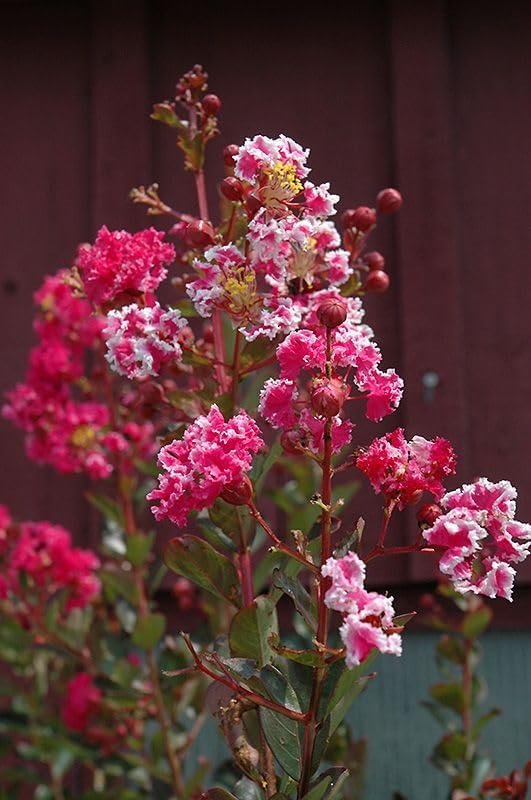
(323, 614)
(276, 541)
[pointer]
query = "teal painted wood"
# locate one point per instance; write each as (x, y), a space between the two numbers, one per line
(401, 733)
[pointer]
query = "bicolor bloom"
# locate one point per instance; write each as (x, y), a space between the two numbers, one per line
(140, 340)
(481, 537)
(368, 621)
(212, 456)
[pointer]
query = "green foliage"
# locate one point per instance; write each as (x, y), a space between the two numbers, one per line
(201, 563)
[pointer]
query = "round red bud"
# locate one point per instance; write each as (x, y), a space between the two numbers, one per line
(232, 189)
(327, 396)
(389, 201)
(211, 104)
(347, 218)
(200, 233)
(292, 443)
(377, 281)
(332, 312)
(428, 513)
(374, 260)
(238, 494)
(229, 153)
(363, 218)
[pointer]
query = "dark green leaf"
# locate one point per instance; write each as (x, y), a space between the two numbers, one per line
(449, 695)
(246, 789)
(262, 466)
(319, 788)
(300, 597)
(351, 541)
(451, 648)
(250, 630)
(278, 687)
(282, 736)
(215, 536)
(201, 563)
(342, 682)
(149, 630)
(451, 748)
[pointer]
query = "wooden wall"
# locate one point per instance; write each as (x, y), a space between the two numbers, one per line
(430, 96)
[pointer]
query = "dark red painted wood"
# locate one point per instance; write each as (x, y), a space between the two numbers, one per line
(432, 96)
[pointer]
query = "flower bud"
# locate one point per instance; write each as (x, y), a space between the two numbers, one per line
(332, 312)
(200, 233)
(389, 201)
(374, 260)
(292, 442)
(232, 189)
(238, 494)
(377, 281)
(428, 513)
(185, 594)
(347, 218)
(363, 218)
(211, 104)
(229, 153)
(327, 396)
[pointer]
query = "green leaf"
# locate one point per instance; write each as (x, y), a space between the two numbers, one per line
(310, 658)
(342, 682)
(475, 622)
(449, 695)
(229, 518)
(278, 687)
(202, 564)
(109, 508)
(282, 734)
(319, 788)
(451, 648)
(149, 630)
(250, 630)
(482, 721)
(164, 112)
(300, 597)
(119, 584)
(215, 536)
(138, 547)
(328, 784)
(262, 466)
(451, 748)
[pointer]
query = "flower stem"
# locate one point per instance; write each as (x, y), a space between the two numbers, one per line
(323, 614)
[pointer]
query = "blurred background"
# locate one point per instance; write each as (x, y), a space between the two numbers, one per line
(429, 96)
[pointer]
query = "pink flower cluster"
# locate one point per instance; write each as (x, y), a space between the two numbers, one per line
(121, 263)
(213, 455)
(81, 702)
(402, 470)
(140, 340)
(368, 616)
(481, 537)
(38, 560)
(305, 395)
(55, 406)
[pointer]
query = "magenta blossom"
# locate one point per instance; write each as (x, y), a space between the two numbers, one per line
(402, 470)
(120, 262)
(212, 456)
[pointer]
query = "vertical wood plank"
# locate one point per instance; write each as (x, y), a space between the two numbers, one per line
(120, 107)
(44, 159)
(431, 315)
